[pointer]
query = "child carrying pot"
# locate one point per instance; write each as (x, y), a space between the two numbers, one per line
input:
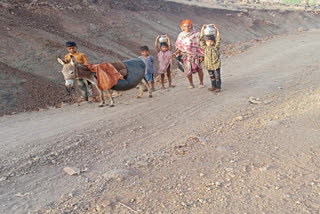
(164, 58)
(211, 48)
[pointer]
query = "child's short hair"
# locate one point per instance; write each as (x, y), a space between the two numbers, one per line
(71, 44)
(144, 48)
(164, 44)
(210, 37)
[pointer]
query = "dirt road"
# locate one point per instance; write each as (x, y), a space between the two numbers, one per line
(183, 151)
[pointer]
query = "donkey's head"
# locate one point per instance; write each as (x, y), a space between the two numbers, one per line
(68, 71)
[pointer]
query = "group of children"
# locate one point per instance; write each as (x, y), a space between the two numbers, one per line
(209, 44)
(164, 58)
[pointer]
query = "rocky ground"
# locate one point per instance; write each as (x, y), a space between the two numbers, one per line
(253, 148)
(255, 4)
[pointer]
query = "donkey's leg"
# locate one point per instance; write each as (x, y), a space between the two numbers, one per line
(140, 85)
(116, 93)
(109, 93)
(147, 86)
(93, 80)
(102, 102)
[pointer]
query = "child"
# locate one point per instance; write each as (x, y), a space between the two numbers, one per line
(212, 63)
(148, 60)
(82, 59)
(164, 57)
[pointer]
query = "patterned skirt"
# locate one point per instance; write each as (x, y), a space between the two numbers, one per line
(191, 63)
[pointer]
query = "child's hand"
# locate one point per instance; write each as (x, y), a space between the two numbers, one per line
(214, 26)
(158, 37)
(166, 35)
(202, 30)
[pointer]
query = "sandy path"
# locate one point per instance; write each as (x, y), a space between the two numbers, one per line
(36, 146)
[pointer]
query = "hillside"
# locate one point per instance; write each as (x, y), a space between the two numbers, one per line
(33, 34)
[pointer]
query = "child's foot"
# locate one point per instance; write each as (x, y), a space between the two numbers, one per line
(201, 86)
(218, 90)
(172, 86)
(94, 100)
(162, 87)
(83, 99)
(212, 89)
(190, 87)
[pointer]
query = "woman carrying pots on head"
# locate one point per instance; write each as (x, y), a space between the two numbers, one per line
(188, 45)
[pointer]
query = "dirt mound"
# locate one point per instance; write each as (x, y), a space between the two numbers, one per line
(33, 34)
(23, 91)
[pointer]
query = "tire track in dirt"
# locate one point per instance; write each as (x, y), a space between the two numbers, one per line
(186, 109)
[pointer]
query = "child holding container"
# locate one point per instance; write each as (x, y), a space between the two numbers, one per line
(164, 58)
(211, 48)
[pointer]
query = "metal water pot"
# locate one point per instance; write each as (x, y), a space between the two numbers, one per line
(163, 39)
(209, 30)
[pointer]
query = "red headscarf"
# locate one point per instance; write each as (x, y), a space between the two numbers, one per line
(186, 21)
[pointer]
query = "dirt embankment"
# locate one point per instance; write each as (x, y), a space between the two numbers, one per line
(33, 34)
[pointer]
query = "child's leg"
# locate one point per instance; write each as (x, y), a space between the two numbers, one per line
(213, 80)
(89, 88)
(149, 80)
(200, 74)
(218, 79)
(83, 89)
(169, 78)
(152, 82)
(190, 81)
(162, 81)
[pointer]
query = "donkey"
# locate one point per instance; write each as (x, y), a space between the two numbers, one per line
(134, 76)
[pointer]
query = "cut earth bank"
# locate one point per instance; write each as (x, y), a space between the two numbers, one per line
(33, 33)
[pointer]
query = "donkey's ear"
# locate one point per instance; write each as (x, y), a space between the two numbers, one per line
(73, 60)
(61, 61)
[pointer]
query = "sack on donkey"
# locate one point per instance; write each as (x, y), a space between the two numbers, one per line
(135, 73)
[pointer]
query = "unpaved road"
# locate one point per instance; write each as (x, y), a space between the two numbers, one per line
(183, 151)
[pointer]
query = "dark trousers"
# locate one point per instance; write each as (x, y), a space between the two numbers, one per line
(215, 78)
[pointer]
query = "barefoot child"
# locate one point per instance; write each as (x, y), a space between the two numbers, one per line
(164, 57)
(148, 60)
(82, 59)
(211, 49)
